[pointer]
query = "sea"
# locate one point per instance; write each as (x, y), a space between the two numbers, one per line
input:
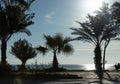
(66, 66)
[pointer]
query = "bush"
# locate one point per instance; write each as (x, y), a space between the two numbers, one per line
(5, 69)
(51, 69)
(117, 66)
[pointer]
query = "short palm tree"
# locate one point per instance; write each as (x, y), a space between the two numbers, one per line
(13, 19)
(57, 44)
(23, 51)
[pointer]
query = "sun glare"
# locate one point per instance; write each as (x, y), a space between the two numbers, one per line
(93, 5)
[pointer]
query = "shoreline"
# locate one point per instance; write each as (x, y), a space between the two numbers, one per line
(66, 66)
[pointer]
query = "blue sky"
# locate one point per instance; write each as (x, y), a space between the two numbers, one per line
(53, 16)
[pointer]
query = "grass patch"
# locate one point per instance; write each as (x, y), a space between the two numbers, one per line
(40, 75)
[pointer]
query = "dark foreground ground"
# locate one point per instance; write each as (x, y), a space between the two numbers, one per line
(88, 77)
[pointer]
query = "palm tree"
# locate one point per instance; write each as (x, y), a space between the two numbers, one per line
(13, 19)
(111, 30)
(100, 29)
(57, 44)
(111, 33)
(23, 51)
(89, 32)
(115, 9)
(92, 31)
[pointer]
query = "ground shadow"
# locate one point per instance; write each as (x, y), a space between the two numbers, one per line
(110, 78)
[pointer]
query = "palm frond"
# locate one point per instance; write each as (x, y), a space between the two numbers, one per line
(83, 34)
(116, 39)
(68, 49)
(25, 31)
(67, 39)
(50, 41)
(42, 49)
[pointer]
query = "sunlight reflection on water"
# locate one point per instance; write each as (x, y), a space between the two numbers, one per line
(92, 67)
(87, 67)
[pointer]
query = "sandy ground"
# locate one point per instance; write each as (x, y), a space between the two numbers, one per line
(88, 78)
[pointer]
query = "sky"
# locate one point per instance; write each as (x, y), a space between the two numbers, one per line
(58, 16)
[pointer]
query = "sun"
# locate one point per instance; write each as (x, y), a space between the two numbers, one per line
(93, 5)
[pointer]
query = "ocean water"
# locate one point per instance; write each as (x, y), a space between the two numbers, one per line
(67, 66)
(87, 67)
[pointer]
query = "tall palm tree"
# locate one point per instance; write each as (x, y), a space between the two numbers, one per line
(92, 31)
(115, 9)
(23, 51)
(100, 29)
(114, 31)
(111, 33)
(13, 19)
(111, 30)
(58, 44)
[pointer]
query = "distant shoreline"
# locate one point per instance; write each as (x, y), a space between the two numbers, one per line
(66, 66)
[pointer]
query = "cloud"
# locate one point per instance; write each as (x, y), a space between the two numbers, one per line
(49, 17)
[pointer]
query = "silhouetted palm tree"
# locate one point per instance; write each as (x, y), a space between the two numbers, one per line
(58, 44)
(23, 51)
(100, 29)
(111, 30)
(115, 8)
(92, 31)
(13, 19)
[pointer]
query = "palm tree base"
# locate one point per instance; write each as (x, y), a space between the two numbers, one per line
(52, 69)
(5, 69)
(99, 74)
(22, 68)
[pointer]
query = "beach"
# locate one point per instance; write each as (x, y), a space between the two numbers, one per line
(88, 77)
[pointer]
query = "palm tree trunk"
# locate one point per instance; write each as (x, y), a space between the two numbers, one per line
(23, 65)
(97, 59)
(104, 57)
(3, 51)
(55, 61)
(104, 52)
